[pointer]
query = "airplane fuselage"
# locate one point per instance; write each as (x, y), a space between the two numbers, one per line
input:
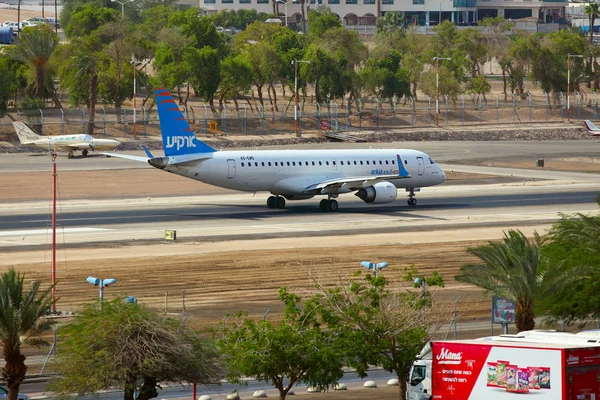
(74, 142)
(289, 172)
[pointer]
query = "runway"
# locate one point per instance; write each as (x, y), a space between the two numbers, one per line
(244, 216)
(522, 197)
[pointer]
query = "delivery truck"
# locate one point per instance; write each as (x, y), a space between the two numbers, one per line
(554, 367)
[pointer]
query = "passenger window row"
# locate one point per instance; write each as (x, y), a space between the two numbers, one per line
(315, 163)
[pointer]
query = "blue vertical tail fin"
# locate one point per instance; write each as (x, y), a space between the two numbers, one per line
(177, 136)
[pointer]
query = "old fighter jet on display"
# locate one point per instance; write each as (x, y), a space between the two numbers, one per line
(69, 143)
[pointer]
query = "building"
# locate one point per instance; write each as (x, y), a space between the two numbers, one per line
(420, 12)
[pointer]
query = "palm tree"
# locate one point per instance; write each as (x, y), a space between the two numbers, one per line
(21, 320)
(581, 228)
(512, 269)
(34, 47)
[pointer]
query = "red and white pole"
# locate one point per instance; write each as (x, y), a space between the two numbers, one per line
(53, 232)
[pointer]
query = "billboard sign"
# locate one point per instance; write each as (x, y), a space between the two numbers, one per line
(503, 310)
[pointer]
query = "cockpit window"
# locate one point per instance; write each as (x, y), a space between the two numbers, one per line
(88, 137)
(431, 161)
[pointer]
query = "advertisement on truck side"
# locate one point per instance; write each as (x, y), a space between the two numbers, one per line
(464, 371)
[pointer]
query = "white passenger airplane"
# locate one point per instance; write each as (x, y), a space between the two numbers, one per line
(374, 175)
(591, 128)
(70, 143)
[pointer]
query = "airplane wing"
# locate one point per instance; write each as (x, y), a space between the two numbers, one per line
(356, 182)
(349, 183)
(127, 157)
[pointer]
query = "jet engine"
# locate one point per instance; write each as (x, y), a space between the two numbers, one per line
(379, 193)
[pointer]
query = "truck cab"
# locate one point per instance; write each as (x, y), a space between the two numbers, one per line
(418, 382)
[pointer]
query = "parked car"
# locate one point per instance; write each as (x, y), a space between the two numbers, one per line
(53, 21)
(14, 25)
(4, 394)
(36, 20)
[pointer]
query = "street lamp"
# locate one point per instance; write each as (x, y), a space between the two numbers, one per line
(122, 3)
(440, 14)
(286, 14)
(295, 64)
(569, 83)
(373, 266)
(101, 283)
(437, 88)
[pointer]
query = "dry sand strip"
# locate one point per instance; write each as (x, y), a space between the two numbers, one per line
(298, 245)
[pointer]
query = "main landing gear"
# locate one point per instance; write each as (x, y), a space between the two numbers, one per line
(70, 155)
(276, 202)
(411, 197)
(329, 205)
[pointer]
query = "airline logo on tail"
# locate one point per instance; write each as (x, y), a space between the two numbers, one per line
(180, 142)
(178, 138)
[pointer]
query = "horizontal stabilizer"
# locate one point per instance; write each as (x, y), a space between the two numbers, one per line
(127, 157)
(591, 126)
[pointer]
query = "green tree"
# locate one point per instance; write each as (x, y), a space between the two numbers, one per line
(447, 83)
(515, 269)
(391, 21)
(378, 326)
(321, 65)
(34, 47)
(236, 75)
(88, 19)
(21, 321)
(575, 242)
(415, 56)
(321, 20)
(295, 349)
(8, 80)
(172, 71)
(385, 78)
(129, 346)
(205, 66)
(80, 60)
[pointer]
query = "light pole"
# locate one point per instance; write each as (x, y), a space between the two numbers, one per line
(286, 14)
(373, 266)
(569, 83)
(295, 64)
(101, 283)
(437, 87)
(440, 14)
(122, 3)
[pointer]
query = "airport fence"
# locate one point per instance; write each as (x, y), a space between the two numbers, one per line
(334, 116)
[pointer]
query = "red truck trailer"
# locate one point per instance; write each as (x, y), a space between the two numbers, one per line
(500, 369)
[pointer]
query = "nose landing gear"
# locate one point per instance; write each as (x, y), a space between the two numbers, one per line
(411, 196)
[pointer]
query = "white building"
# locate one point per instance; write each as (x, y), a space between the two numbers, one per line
(420, 12)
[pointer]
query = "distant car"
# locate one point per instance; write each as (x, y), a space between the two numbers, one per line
(36, 20)
(4, 394)
(53, 21)
(16, 26)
